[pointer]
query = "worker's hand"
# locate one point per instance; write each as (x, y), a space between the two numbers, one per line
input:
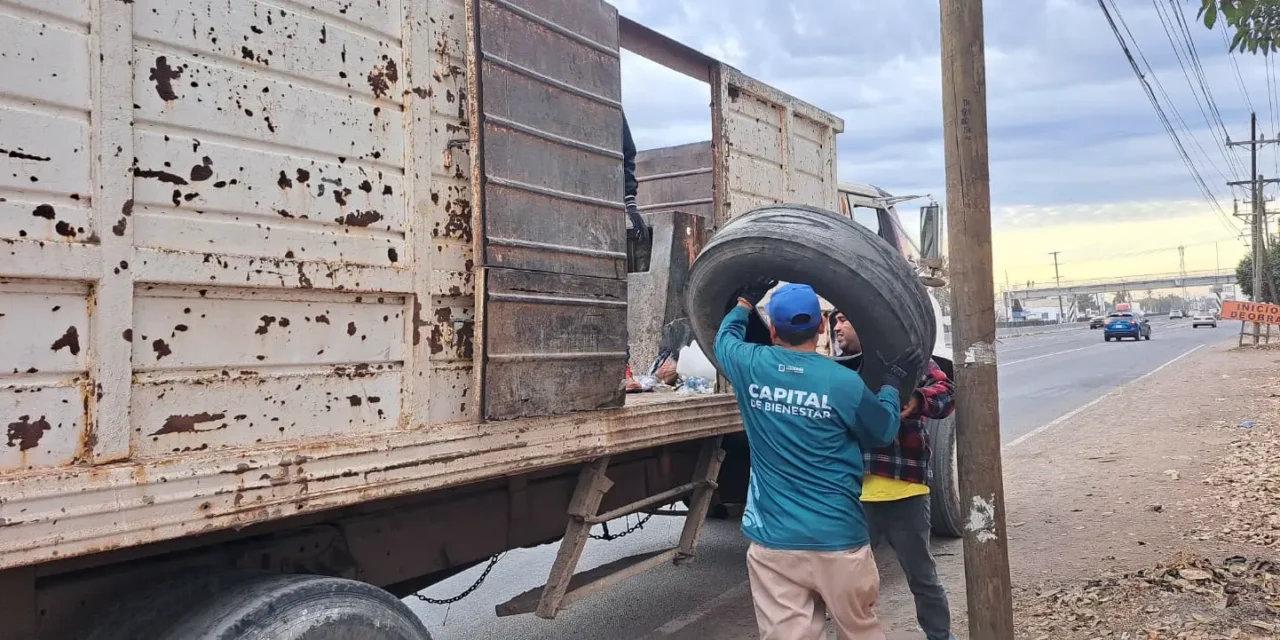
(755, 291)
(638, 227)
(912, 408)
(897, 369)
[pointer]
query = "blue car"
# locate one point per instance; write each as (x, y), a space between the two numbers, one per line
(1126, 324)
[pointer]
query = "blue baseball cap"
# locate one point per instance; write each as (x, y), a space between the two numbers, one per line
(794, 307)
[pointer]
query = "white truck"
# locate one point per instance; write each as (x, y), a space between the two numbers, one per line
(305, 306)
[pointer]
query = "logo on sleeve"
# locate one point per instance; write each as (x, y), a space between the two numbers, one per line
(787, 368)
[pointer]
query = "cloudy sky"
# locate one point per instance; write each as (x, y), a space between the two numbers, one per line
(1080, 162)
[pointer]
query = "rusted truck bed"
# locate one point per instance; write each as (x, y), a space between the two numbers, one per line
(56, 513)
(261, 259)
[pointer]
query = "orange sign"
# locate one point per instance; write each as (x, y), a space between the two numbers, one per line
(1251, 311)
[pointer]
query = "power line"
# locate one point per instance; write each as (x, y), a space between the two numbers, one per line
(1164, 119)
(1130, 254)
(1275, 101)
(1177, 115)
(1203, 79)
(1235, 65)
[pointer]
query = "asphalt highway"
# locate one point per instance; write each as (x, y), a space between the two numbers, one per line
(1044, 379)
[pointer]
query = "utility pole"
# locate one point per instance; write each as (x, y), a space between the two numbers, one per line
(1058, 279)
(1008, 308)
(1256, 220)
(1182, 268)
(964, 110)
(1261, 277)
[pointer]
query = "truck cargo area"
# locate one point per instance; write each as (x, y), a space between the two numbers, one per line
(342, 288)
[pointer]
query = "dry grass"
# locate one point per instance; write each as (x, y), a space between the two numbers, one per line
(1190, 596)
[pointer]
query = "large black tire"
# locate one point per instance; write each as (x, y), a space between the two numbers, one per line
(945, 513)
(260, 606)
(854, 269)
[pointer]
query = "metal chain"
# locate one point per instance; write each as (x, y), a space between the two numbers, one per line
(632, 529)
(471, 589)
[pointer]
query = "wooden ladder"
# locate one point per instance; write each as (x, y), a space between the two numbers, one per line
(563, 588)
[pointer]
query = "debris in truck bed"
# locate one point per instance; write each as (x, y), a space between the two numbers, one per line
(1189, 597)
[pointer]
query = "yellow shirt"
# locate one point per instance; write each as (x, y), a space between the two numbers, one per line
(882, 489)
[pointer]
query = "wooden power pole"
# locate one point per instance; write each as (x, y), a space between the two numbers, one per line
(1264, 290)
(1259, 288)
(964, 106)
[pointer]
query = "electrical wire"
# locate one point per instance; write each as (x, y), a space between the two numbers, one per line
(1177, 116)
(1206, 192)
(1235, 65)
(1275, 109)
(1129, 254)
(1201, 77)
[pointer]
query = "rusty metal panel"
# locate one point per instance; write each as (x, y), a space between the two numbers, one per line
(551, 136)
(270, 218)
(547, 142)
(770, 147)
(47, 230)
(184, 330)
(61, 513)
(675, 178)
(440, 372)
(563, 340)
(171, 415)
(45, 189)
(44, 383)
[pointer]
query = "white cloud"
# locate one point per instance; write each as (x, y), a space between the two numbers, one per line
(1069, 123)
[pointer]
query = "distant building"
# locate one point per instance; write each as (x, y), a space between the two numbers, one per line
(1041, 313)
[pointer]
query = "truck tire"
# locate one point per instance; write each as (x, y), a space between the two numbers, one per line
(848, 265)
(945, 515)
(253, 606)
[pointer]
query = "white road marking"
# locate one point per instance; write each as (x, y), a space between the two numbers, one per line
(1042, 344)
(1074, 412)
(1050, 355)
(733, 594)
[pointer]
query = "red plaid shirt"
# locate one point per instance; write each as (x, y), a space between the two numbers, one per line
(907, 457)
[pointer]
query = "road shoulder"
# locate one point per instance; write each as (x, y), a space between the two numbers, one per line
(1123, 486)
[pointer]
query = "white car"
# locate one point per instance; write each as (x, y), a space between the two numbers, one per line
(1204, 319)
(1176, 313)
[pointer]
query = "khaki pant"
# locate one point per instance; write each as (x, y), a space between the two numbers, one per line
(792, 590)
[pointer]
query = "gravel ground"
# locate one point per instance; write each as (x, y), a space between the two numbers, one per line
(1157, 514)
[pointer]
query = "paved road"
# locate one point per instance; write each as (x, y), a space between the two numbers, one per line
(1042, 378)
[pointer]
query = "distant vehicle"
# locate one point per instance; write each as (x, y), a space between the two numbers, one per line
(1097, 322)
(1177, 313)
(1204, 319)
(1126, 324)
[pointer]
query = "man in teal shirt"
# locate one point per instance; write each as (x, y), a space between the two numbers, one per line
(807, 420)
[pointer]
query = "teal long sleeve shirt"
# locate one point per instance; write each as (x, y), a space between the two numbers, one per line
(808, 420)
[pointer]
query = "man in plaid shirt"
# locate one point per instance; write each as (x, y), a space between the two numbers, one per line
(895, 491)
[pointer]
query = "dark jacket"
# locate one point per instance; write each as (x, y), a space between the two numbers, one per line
(629, 182)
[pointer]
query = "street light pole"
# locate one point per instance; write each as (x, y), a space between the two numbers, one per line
(964, 109)
(1058, 279)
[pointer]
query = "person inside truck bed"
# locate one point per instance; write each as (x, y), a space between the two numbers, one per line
(637, 230)
(895, 492)
(808, 420)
